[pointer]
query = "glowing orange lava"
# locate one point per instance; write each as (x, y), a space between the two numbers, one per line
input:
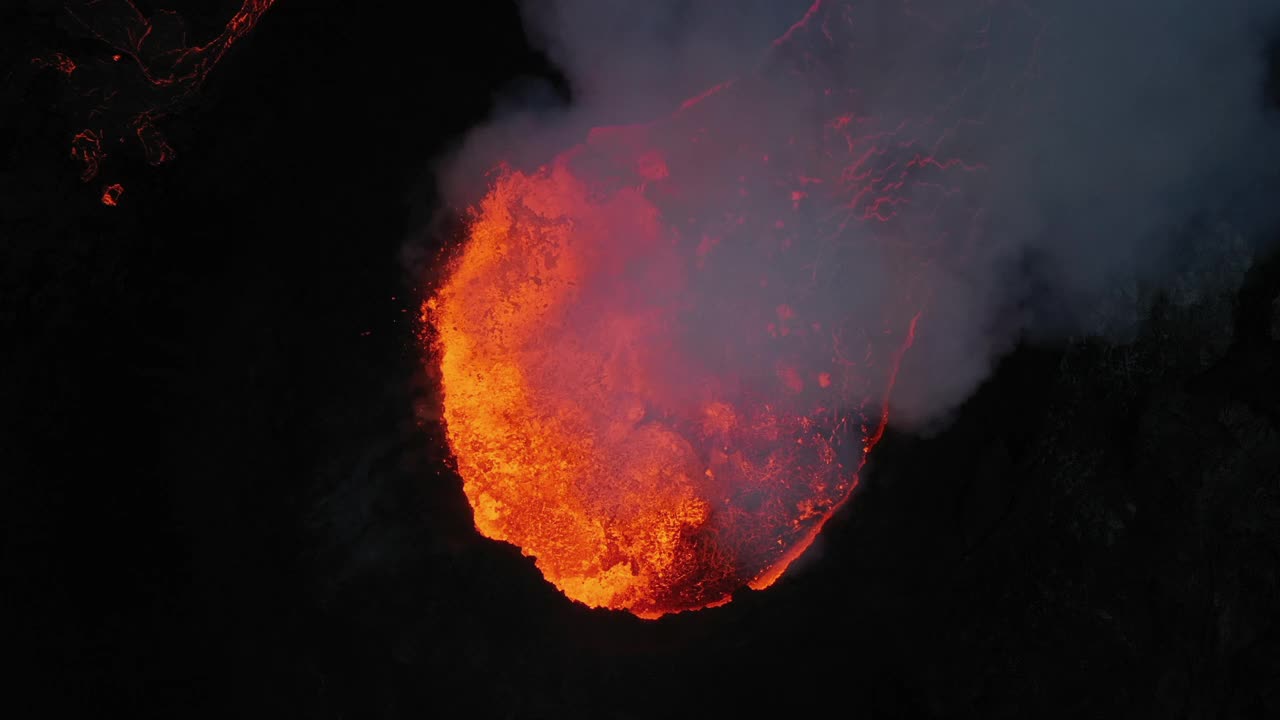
(665, 355)
(589, 433)
(111, 194)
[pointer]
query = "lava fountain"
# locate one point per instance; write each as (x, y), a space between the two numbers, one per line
(665, 354)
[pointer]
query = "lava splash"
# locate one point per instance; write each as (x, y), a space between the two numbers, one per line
(665, 354)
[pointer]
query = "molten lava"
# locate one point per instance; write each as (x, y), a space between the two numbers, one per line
(665, 355)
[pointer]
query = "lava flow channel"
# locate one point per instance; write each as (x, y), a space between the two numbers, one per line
(665, 355)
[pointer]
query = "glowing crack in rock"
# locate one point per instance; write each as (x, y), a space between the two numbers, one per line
(143, 72)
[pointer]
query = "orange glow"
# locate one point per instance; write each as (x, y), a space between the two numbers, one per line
(111, 194)
(665, 355)
(588, 433)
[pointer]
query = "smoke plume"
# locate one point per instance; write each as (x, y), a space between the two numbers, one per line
(1091, 131)
(691, 300)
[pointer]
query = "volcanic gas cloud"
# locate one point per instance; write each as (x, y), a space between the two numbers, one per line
(666, 353)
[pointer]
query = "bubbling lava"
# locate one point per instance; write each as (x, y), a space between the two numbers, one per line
(665, 355)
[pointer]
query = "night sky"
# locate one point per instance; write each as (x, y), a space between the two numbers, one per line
(222, 492)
